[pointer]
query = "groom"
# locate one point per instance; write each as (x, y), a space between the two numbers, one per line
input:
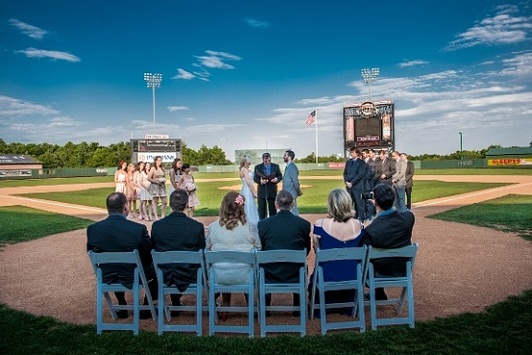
(267, 175)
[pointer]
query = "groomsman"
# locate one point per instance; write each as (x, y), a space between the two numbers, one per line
(291, 179)
(354, 176)
(409, 176)
(387, 168)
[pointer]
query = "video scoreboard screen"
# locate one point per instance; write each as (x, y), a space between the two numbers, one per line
(369, 125)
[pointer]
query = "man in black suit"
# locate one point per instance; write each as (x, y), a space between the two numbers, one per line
(117, 234)
(387, 168)
(354, 177)
(178, 232)
(284, 231)
(267, 175)
(389, 230)
(409, 176)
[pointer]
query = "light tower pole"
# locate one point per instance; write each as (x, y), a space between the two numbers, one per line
(153, 81)
(461, 145)
(369, 76)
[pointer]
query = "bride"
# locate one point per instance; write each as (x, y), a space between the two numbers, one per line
(248, 191)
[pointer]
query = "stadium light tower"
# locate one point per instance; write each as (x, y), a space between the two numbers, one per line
(369, 76)
(153, 81)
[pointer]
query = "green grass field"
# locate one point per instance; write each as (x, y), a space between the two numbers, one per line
(314, 197)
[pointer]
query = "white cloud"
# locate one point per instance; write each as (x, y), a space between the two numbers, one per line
(16, 107)
(177, 108)
(216, 60)
(256, 23)
(319, 101)
(183, 74)
(503, 28)
(43, 53)
(27, 29)
(412, 63)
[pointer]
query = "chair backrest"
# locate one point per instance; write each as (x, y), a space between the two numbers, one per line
(282, 256)
(177, 257)
(337, 254)
(98, 259)
(229, 256)
(408, 251)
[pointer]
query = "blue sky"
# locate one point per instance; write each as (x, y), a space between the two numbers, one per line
(246, 74)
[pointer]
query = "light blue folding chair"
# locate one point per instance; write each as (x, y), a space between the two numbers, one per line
(103, 289)
(248, 288)
(319, 284)
(168, 258)
(404, 282)
(282, 256)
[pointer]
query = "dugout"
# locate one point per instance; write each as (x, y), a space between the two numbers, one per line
(509, 157)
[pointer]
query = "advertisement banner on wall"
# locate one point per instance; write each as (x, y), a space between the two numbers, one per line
(510, 162)
(168, 157)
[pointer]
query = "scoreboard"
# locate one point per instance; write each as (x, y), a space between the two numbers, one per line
(369, 125)
(148, 148)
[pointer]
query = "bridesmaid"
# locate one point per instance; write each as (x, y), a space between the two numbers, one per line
(131, 189)
(158, 186)
(120, 177)
(176, 174)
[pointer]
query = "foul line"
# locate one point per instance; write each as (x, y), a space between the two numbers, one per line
(483, 192)
(58, 204)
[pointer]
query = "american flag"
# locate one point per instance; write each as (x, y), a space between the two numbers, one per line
(311, 118)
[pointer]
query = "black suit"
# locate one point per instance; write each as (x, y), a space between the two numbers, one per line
(284, 231)
(388, 231)
(177, 232)
(268, 192)
(409, 177)
(355, 173)
(117, 234)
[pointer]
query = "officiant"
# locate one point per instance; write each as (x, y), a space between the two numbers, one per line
(267, 175)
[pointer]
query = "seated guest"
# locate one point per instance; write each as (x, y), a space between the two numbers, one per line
(178, 232)
(284, 230)
(118, 234)
(231, 231)
(339, 230)
(389, 230)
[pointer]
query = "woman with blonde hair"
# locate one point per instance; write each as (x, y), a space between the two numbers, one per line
(231, 231)
(339, 230)
(248, 190)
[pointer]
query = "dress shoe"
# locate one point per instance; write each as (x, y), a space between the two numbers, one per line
(123, 314)
(145, 314)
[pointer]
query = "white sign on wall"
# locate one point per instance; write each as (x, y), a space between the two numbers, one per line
(168, 157)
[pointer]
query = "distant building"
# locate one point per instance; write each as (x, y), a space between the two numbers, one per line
(513, 156)
(18, 165)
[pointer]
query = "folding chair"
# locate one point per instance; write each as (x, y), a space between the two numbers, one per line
(179, 257)
(322, 286)
(282, 256)
(405, 282)
(103, 289)
(230, 256)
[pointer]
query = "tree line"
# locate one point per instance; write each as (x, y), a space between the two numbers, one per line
(93, 155)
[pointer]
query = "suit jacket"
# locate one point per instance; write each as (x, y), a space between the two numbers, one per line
(284, 231)
(118, 234)
(268, 190)
(399, 175)
(409, 174)
(388, 169)
(389, 230)
(177, 232)
(355, 173)
(291, 180)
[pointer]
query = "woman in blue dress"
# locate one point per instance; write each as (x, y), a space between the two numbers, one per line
(339, 230)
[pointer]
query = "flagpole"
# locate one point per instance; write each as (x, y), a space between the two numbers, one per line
(317, 137)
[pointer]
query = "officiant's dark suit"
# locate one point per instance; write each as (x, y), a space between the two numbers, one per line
(178, 232)
(267, 192)
(354, 175)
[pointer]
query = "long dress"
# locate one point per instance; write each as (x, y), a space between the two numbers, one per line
(341, 270)
(190, 186)
(250, 207)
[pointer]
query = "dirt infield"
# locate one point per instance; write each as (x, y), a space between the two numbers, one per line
(459, 268)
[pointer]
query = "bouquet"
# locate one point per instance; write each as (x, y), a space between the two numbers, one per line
(190, 187)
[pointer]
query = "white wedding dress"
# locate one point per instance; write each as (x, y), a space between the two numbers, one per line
(250, 207)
